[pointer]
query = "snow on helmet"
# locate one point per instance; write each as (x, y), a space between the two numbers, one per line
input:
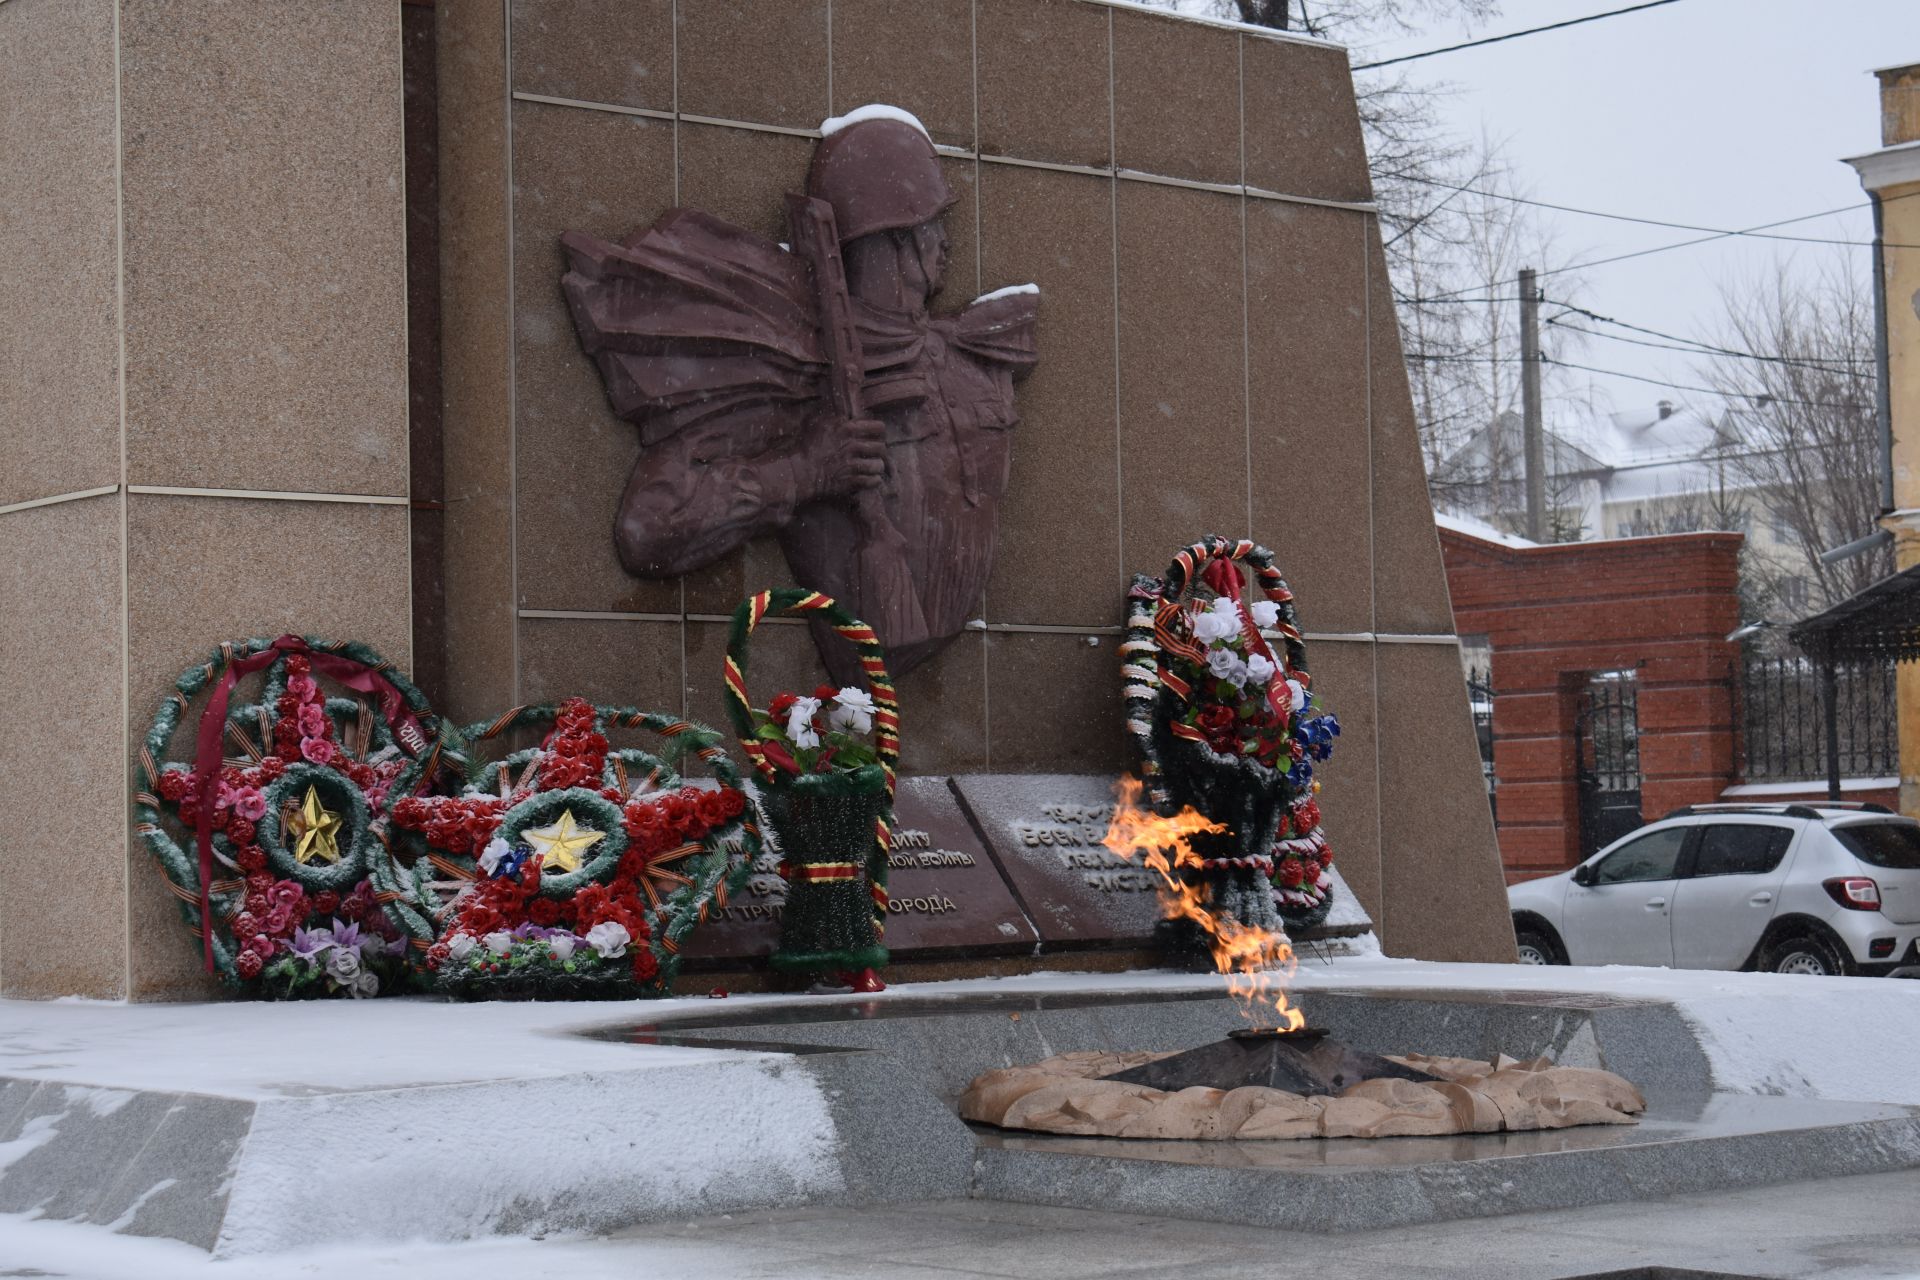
(877, 167)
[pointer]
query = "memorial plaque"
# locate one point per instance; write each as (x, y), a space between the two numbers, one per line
(945, 896)
(1046, 830)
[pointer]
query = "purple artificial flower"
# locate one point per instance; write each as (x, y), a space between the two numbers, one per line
(310, 944)
(346, 935)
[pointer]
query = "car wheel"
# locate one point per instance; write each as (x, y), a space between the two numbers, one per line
(1807, 953)
(1536, 946)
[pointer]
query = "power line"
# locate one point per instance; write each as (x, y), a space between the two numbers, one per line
(1694, 344)
(1647, 222)
(1512, 35)
(1663, 248)
(1761, 396)
(1698, 351)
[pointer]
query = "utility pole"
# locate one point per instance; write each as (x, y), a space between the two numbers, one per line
(1535, 440)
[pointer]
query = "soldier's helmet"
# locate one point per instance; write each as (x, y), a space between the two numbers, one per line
(878, 169)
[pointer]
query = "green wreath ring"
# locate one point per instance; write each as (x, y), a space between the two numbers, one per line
(1156, 626)
(719, 871)
(798, 602)
(218, 896)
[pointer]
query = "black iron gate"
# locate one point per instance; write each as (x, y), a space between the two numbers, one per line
(1480, 698)
(1607, 739)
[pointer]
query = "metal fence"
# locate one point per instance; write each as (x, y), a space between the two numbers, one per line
(1480, 698)
(1783, 723)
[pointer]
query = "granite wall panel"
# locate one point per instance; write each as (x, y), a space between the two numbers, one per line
(1442, 893)
(1182, 352)
(1044, 79)
(63, 822)
(606, 174)
(476, 360)
(614, 51)
(1058, 556)
(1343, 680)
(265, 259)
(750, 60)
(1302, 128)
(60, 397)
(918, 57)
(1409, 580)
(1176, 97)
(1307, 374)
(177, 611)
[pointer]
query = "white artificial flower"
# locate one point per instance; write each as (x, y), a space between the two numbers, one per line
(1226, 665)
(499, 942)
(1265, 613)
(563, 945)
(800, 722)
(852, 709)
(490, 856)
(1213, 626)
(365, 983)
(1259, 670)
(343, 963)
(609, 940)
(461, 946)
(1299, 693)
(372, 944)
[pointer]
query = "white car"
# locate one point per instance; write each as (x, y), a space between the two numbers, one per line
(1788, 888)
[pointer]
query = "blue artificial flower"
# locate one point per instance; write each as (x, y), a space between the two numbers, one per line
(509, 864)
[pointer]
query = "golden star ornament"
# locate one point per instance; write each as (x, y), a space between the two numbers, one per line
(561, 844)
(316, 830)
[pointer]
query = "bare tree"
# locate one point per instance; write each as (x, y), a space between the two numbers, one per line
(1803, 411)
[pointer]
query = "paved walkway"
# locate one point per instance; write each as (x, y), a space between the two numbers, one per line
(1840, 1229)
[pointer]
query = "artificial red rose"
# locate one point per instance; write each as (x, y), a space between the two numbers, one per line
(326, 902)
(612, 795)
(258, 904)
(279, 921)
(272, 767)
(362, 775)
(287, 893)
(712, 807)
(1292, 872)
(779, 757)
(352, 908)
(318, 751)
(172, 785)
(437, 955)
(253, 860)
(240, 831)
(825, 692)
(286, 705)
(261, 945)
(544, 912)
(645, 967)
(1306, 816)
(259, 881)
(781, 704)
(736, 801)
(1215, 719)
(298, 664)
(674, 809)
(410, 812)
(245, 925)
(248, 965)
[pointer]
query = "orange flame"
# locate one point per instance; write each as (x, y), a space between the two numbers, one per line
(1255, 961)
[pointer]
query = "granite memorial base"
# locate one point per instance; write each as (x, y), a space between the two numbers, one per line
(989, 874)
(839, 1100)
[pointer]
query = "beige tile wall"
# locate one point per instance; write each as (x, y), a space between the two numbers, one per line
(204, 303)
(1218, 353)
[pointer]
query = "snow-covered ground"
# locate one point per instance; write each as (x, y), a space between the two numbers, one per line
(1836, 1038)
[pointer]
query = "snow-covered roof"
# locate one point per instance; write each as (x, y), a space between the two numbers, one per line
(1480, 529)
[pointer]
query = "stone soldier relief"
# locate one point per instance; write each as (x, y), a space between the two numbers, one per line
(807, 389)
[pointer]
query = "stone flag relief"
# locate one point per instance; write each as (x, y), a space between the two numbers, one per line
(806, 389)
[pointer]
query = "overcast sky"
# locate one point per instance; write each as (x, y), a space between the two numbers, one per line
(1721, 113)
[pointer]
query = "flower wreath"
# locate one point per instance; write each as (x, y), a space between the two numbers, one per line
(576, 868)
(288, 850)
(827, 795)
(1220, 704)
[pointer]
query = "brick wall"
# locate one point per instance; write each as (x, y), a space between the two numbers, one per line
(1553, 615)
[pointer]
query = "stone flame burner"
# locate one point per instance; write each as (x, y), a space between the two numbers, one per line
(1298, 1084)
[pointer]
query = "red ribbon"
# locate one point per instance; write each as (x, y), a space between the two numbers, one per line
(208, 755)
(1224, 578)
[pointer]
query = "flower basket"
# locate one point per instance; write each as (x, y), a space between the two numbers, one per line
(575, 869)
(286, 804)
(831, 826)
(1219, 705)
